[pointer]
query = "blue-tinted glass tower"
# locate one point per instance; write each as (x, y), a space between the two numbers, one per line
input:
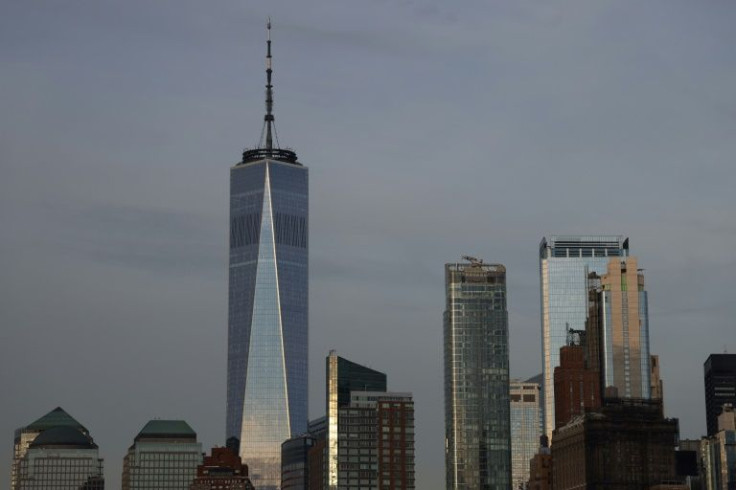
(564, 264)
(267, 311)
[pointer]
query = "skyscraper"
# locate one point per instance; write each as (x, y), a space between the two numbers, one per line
(476, 345)
(267, 311)
(622, 328)
(564, 265)
(164, 454)
(525, 429)
(720, 387)
(343, 377)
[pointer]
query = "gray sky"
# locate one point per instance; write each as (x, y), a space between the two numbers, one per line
(431, 130)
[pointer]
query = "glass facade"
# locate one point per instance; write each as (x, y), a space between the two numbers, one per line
(477, 425)
(24, 436)
(625, 315)
(344, 377)
(61, 458)
(564, 265)
(267, 312)
(165, 454)
(525, 430)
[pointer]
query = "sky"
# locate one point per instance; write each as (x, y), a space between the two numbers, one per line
(431, 130)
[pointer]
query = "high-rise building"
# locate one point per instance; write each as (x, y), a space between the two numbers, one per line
(24, 436)
(343, 377)
(222, 470)
(61, 458)
(719, 453)
(164, 454)
(295, 462)
(476, 345)
(626, 445)
(564, 264)
(577, 387)
(720, 387)
(376, 442)
(267, 312)
(525, 429)
(622, 329)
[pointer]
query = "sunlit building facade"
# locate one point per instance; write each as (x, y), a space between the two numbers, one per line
(267, 310)
(623, 317)
(477, 419)
(343, 378)
(165, 454)
(564, 264)
(525, 429)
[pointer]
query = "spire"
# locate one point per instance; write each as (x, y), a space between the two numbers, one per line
(268, 119)
(266, 148)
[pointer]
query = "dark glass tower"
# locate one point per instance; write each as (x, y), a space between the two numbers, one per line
(720, 387)
(476, 344)
(267, 311)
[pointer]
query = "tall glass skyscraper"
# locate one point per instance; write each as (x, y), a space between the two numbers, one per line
(476, 345)
(621, 325)
(525, 430)
(267, 311)
(564, 264)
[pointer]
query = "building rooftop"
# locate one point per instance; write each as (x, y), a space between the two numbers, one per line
(55, 418)
(163, 429)
(63, 436)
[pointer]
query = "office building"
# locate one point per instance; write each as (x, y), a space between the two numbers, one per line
(622, 329)
(267, 311)
(343, 377)
(720, 387)
(376, 442)
(164, 454)
(525, 429)
(477, 418)
(577, 388)
(222, 470)
(295, 462)
(61, 458)
(24, 436)
(719, 453)
(625, 445)
(564, 265)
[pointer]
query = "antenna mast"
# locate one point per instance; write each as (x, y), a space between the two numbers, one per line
(268, 119)
(266, 148)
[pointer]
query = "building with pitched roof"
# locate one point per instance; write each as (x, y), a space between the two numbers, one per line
(60, 458)
(164, 454)
(24, 436)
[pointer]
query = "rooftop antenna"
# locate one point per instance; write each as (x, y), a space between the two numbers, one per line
(266, 149)
(268, 119)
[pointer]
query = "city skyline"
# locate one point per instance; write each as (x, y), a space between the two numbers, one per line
(119, 121)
